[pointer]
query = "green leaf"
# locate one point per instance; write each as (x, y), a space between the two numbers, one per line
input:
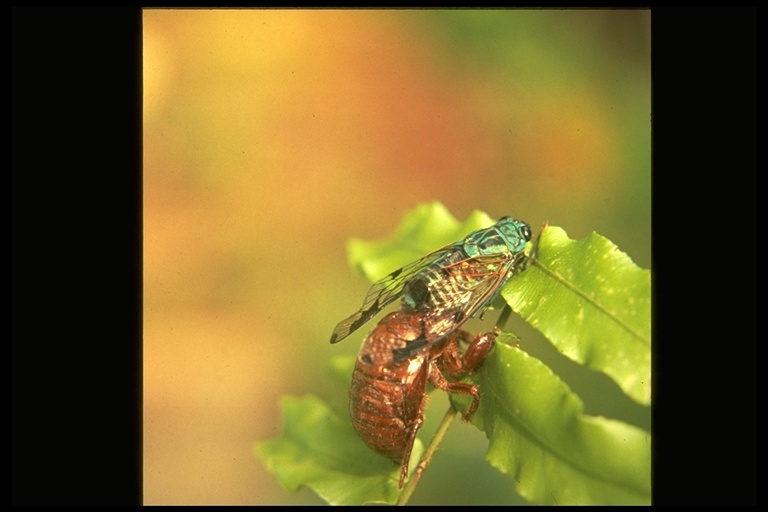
(320, 450)
(593, 303)
(541, 438)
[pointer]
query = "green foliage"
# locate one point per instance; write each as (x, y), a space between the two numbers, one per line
(588, 299)
(541, 438)
(593, 303)
(319, 449)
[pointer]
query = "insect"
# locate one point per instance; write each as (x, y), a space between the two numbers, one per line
(419, 344)
(387, 399)
(449, 285)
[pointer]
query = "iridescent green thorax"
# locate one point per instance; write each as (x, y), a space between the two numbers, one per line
(506, 236)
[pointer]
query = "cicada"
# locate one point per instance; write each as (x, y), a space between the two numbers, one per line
(387, 399)
(419, 344)
(449, 285)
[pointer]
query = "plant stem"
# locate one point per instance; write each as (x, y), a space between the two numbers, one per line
(503, 317)
(437, 438)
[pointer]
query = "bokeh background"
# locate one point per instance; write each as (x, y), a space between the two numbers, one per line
(271, 137)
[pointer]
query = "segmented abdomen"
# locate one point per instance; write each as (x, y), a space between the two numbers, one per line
(386, 403)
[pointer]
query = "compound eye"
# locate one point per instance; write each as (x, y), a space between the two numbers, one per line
(527, 232)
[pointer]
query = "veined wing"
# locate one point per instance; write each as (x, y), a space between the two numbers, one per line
(467, 287)
(476, 281)
(387, 289)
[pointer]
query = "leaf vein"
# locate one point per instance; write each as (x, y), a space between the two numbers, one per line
(572, 287)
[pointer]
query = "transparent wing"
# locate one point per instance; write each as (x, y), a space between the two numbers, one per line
(472, 285)
(385, 290)
(476, 282)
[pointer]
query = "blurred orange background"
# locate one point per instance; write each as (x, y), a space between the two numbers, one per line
(273, 136)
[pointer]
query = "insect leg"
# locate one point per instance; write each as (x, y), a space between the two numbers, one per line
(454, 364)
(449, 360)
(462, 388)
(413, 430)
(478, 350)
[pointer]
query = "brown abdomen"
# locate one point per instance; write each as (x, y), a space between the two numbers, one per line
(386, 404)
